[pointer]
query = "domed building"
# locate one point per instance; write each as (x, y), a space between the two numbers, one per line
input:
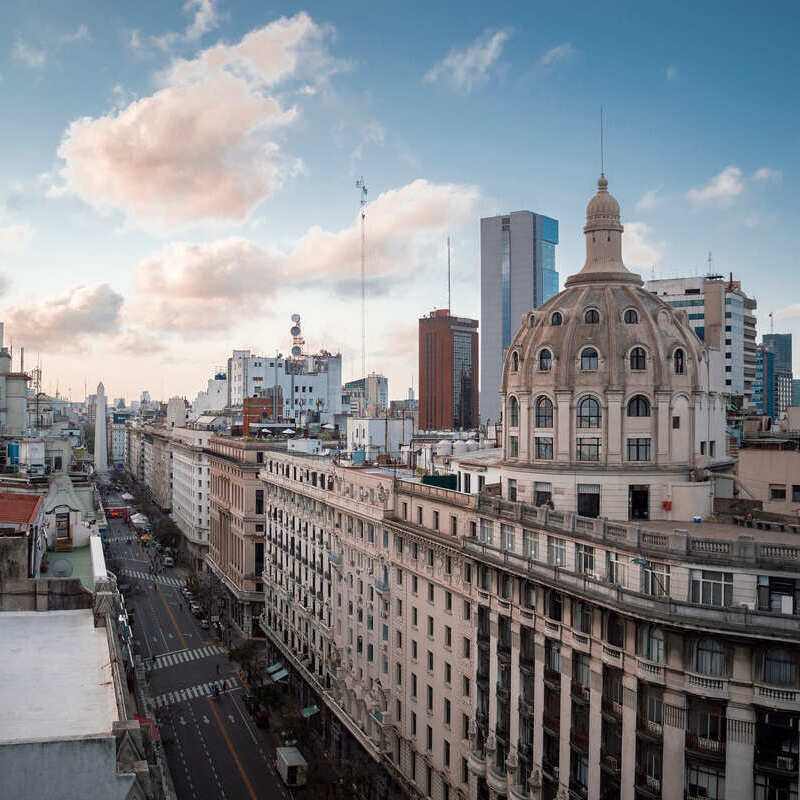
(612, 405)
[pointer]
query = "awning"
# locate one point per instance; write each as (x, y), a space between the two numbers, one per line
(309, 711)
(274, 668)
(279, 675)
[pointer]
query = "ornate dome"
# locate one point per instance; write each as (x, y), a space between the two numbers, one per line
(603, 209)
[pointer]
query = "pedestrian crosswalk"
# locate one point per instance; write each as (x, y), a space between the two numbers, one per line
(166, 580)
(194, 692)
(182, 656)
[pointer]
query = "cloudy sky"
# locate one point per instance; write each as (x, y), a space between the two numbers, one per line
(177, 179)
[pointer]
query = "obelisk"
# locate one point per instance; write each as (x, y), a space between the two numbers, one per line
(100, 443)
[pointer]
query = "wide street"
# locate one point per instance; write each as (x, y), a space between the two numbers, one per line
(213, 748)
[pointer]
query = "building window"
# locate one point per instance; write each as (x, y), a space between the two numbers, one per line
(638, 449)
(556, 551)
(676, 423)
(513, 412)
(588, 413)
(777, 492)
(615, 629)
(544, 412)
(515, 361)
(638, 359)
(638, 406)
(581, 616)
(512, 490)
(587, 449)
(544, 448)
(556, 318)
(651, 643)
(631, 317)
(584, 559)
(545, 360)
(680, 366)
(655, 579)
(589, 359)
(711, 588)
(591, 316)
(709, 658)
(780, 667)
(704, 780)
(513, 447)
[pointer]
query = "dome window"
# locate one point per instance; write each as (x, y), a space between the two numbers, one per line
(588, 413)
(589, 359)
(631, 317)
(638, 358)
(515, 361)
(544, 412)
(557, 318)
(639, 406)
(545, 360)
(680, 362)
(591, 316)
(513, 412)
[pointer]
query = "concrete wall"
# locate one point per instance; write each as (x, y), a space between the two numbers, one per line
(761, 469)
(70, 768)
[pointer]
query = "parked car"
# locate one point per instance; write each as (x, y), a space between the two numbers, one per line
(168, 561)
(204, 624)
(197, 611)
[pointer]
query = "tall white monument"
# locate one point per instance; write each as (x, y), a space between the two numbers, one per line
(100, 442)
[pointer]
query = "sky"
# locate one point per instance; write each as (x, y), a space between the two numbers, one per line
(178, 179)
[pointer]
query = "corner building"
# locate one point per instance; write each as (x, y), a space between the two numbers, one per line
(487, 647)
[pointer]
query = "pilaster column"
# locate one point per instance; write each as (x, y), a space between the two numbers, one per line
(614, 427)
(595, 726)
(629, 708)
(673, 759)
(538, 700)
(492, 671)
(564, 751)
(524, 426)
(663, 429)
(513, 734)
(741, 722)
(563, 439)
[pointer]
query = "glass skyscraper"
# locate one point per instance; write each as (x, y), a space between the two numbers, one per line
(518, 273)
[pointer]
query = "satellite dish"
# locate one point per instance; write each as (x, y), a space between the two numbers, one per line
(296, 351)
(295, 318)
(61, 568)
(295, 330)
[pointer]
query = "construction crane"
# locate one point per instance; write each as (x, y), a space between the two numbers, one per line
(362, 187)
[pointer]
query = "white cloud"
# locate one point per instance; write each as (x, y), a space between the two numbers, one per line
(751, 221)
(205, 145)
(648, 200)
(63, 324)
(721, 190)
(767, 175)
(28, 55)
(15, 237)
(637, 251)
(788, 312)
(671, 72)
(80, 34)
(206, 17)
(555, 55)
(210, 286)
(467, 69)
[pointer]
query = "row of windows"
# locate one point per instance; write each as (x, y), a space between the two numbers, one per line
(588, 411)
(589, 358)
(591, 316)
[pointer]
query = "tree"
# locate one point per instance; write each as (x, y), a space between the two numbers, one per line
(167, 533)
(88, 438)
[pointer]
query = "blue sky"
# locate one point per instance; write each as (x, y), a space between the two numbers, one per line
(177, 179)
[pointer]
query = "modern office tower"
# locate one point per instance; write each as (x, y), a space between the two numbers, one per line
(764, 384)
(722, 316)
(518, 273)
(367, 395)
(448, 371)
(781, 345)
(795, 392)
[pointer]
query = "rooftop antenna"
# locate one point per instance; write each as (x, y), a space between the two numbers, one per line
(449, 307)
(709, 263)
(360, 184)
(602, 146)
(771, 323)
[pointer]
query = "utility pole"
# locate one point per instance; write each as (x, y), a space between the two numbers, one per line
(362, 186)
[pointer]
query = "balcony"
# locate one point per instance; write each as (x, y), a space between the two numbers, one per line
(381, 586)
(612, 708)
(580, 692)
(525, 706)
(648, 728)
(579, 738)
(551, 720)
(610, 762)
(705, 746)
(650, 671)
(476, 761)
(647, 783)
(705, 685)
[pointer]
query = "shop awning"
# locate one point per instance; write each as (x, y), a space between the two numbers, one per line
(309, 711)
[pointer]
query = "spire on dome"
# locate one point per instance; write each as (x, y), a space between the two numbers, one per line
(603, 232)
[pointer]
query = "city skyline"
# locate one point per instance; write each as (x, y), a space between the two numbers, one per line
(117, 270)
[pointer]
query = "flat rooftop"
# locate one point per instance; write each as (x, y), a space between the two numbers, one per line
(725, 531)
(57, 680)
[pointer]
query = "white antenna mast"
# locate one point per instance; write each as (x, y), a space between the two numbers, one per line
(602, 145)
(360, 184)
(449, 307)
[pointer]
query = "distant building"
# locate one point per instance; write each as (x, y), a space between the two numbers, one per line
(781, 345)
(763, 397)
(722, 316)
(367, 395)
(795, 392)
(177, 412)
(374, 437)
(260, 409)
(214, 398)
(448, 371)
(518, 273)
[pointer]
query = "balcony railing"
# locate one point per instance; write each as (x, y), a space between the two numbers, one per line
(612, 707)
(381, 585)
(704, 745)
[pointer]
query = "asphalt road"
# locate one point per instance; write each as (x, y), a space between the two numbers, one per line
(213, 748)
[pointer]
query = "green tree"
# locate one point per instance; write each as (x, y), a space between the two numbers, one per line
(88, 438)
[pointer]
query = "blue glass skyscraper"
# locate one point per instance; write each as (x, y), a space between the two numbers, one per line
(518, 273)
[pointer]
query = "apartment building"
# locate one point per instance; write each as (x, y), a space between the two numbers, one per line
(236, 528)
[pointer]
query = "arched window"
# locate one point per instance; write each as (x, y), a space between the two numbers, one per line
(554, 605)
(556, 319)
(680, 366)
(638, 358)
(651, 643)
(709, 658)
(589, 359)
(631, 317)
(513, 412)
(544, 412)
(545, 360)
(638, 406)
(515, 361)
(588, 413)
(615, 630)
(780, 667)
(591, 316)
